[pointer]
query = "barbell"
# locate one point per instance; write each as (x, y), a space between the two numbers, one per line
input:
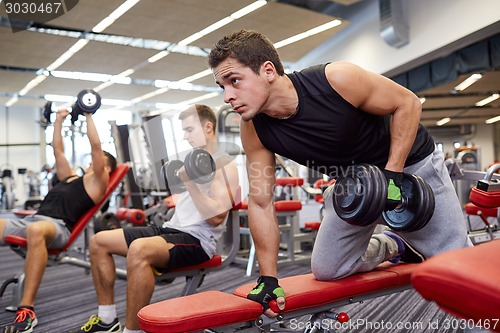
(199, 165)
(87, 101)
(360, 197)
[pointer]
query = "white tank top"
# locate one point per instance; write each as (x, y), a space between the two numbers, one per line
(188, 219)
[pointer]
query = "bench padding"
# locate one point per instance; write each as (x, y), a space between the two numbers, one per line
(463, 282)
(196, 312)
(212, 309)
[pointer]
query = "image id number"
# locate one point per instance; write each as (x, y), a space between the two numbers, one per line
(32, 8)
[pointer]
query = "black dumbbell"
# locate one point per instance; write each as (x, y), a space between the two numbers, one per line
(87, 101)
(199, 165)
(360, 196)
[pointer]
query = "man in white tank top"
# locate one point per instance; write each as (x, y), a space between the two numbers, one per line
(198, 222)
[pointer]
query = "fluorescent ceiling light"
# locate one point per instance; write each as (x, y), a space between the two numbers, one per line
(468, 82)
(492, 120)
(114, 15)
(68, 54)
(206, 31)
(197, 76)
(71, 99)
(103, 24)
(149, 95)
(115, 102)
(59, 98)
(33, 83)
(225, 21)
(128, 72)
(158, 56)
(11, 101)
(488, 100)
(308, 33)
(248, 9)
(125, 7)
(103, 86)
(443, 121)
(95, 77)
(201, 98)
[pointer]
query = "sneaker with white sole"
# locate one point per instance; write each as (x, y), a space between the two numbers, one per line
(96, 325)
(25, 321)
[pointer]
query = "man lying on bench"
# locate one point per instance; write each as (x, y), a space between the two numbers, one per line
(51, 226)
(189, 238)
(330, 117)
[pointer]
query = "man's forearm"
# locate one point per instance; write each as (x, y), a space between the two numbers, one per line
(92, 134)
(57, 141)
(265, 234)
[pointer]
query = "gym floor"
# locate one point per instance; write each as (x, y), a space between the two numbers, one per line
(66, 297)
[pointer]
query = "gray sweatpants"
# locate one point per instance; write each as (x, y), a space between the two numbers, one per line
(16, 226)
(342, 249)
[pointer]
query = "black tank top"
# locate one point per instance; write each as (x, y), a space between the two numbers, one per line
(67, 201)
(328, 133)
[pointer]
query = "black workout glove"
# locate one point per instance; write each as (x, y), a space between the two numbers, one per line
(266, 290)
(394, 181)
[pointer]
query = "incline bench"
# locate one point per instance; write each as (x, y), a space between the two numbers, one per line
(224, 312)
(57, 256)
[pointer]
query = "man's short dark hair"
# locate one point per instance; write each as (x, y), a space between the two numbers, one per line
(248, 47)
(111, 161)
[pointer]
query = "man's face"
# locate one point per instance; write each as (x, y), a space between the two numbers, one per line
(194, 131)
(246, 91)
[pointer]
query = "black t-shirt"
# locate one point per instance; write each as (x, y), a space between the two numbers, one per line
(67, 201)
(328, 133)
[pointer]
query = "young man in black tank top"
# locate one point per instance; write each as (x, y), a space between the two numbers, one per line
(65, 203)
(330, 116)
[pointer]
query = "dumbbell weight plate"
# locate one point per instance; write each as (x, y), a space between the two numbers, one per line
(353, 195)
(369, 177)
(107, 221)
(170, 170)
(47, 111)
(88, 101)
(200, 166)
(378, 198)
(407, 216)
(429, 204)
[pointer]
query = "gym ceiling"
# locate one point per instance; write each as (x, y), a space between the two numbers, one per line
(31, 65)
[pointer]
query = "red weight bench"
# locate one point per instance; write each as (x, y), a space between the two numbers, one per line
(58, 256)
(224, 312)
(464, 283)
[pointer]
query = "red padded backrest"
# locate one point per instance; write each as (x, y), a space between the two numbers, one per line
(115, 179)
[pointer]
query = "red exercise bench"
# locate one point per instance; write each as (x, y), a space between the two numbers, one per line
(57, 256)
(224, 312)
(465, 282)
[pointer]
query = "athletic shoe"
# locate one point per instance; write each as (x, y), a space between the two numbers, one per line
(407, 253)
(96, 325)
(24, 322)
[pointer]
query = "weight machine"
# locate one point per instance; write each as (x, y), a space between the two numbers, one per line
(489, 182)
